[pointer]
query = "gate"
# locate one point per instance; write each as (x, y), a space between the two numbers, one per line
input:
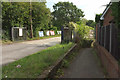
(19, 33)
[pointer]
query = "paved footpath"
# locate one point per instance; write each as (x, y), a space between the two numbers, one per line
(15, 51)
(85, 65)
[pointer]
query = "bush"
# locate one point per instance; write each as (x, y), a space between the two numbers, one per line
(65, 63)
(86, 43)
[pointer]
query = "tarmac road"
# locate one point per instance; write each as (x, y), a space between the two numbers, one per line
(15, 51)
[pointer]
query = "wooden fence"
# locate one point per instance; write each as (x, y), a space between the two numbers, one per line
(107, 36)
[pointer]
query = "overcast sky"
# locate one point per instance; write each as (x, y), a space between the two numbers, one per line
(90, 7)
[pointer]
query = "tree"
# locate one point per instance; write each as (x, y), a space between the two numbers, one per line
(41, 17)
(90, 23)
(116, 13)
(17, 14)
(115, 7)
(11, 16)
(82, 21)
(65, 12)
(97, 18)
(31, 26)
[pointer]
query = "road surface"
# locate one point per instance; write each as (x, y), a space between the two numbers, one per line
(13, 52)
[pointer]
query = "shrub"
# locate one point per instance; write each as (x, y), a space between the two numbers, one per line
(65, 63)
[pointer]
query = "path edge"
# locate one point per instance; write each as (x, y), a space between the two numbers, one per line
(51, 71)
(108, 61)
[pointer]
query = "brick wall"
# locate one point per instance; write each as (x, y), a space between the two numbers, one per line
(108, 61)
(108, 17)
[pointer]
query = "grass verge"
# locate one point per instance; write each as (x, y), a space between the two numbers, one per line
(66, 63)
(45, 37)
(29, 39)
(32, 66)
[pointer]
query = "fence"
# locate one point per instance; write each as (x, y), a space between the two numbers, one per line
(107, 36)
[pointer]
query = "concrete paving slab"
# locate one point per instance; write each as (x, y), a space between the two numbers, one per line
(84, 65)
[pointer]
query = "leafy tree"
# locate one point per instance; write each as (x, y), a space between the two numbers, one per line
(65, 12)
(90, 23)
(17, 14)
(11, 16)
(97, 18)
(82, 30)
(116, 12)
(41, 17)
(82, 21)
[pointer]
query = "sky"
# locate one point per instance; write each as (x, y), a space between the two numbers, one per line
(90, 7)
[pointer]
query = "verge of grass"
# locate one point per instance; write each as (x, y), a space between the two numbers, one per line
(6, 41)
(45, 37)
(66, 63)
(28, 39)
(32, 66)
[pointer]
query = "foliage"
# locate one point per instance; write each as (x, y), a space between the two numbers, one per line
(17, 14)
(115, 12)
(91, 23)
(97, 18)
(82, 33)
(65, 12)
(82, 29)
(59, 73)
(41, 17)
(86, 43)
(11, 16)
(32, 66)
(82, 21)
(65, 63)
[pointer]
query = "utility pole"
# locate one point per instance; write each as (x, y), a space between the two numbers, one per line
(31, 19)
